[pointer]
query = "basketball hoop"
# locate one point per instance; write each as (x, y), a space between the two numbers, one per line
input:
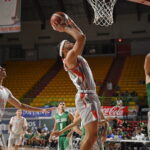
(103, 11)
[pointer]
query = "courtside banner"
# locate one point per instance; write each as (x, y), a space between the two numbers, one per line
(114, 111)
(28, 114)
(10, 11)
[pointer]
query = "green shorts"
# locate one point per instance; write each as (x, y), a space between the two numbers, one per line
(63, 142)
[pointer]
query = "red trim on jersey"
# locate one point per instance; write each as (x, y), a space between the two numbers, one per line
(79, 74)
(82, 95)
(74, 67)
(94, 112)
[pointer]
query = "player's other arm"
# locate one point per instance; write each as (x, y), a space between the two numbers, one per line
(16, 103)
(147, 68)
(70, 126)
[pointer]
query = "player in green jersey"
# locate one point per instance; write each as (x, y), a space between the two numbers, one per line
(102, 136)
(147, 80)
(147, 76)
(62, 119)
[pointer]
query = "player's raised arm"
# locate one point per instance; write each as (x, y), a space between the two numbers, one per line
(73, 30)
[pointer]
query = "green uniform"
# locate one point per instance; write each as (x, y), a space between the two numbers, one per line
(62, 120)
(148, 93)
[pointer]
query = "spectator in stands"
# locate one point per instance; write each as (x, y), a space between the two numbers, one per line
(37, 138)
(117, 134)
(119, 102)
(17, 129)
(109, 85)
(28, 136)
(45, 128)
(110, 134)
(125, 124)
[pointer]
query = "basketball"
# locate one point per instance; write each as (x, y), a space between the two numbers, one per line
(58, 18)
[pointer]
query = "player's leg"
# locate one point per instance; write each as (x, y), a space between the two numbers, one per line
(90, 136)
(2, 142)
(61, 143)
(89, 109)
(66, 143)
(11, 143)
(18, 142)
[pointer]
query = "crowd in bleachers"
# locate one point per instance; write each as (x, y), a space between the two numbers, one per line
(117, 130)
(125, 97)
(127, 129)
(36, 137)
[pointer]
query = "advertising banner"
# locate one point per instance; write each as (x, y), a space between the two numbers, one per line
(115, 111)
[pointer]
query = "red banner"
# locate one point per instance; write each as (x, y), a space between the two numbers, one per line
(114, 110)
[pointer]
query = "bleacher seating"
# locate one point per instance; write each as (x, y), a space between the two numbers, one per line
(23, 75)
(61, 87)
(133, 75)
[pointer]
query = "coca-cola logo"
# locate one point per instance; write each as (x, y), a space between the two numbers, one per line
(114, 111)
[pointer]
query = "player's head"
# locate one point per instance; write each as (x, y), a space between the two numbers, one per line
(64, 47)
(2, 73)
(61, 106)
(19, 112)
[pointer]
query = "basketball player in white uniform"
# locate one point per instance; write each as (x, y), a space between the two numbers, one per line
(7, 96)
(87, 101)
(17, 128)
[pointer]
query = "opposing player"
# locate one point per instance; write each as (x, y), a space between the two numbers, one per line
(7, 96)
(87, 101)
(17, 129)
(147, 76)
(77, 120)
(62, 119)
(147, 80)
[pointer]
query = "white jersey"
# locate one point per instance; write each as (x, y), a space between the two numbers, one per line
(82, 76)
(18, 125)
(4, 95)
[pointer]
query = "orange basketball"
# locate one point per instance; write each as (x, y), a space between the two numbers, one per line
(58, 18)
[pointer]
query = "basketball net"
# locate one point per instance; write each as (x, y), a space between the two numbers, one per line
(103, 11)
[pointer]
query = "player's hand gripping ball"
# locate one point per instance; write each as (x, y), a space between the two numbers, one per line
(59, 18)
